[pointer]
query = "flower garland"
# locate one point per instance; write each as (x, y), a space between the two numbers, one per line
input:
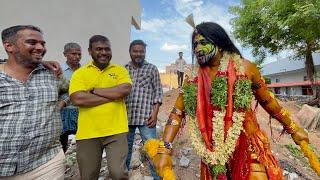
(224, 146)
(242, 95)
(223, 150)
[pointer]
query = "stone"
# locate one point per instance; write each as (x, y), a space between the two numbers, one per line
(104, 154)
(185, 151)
(138, 142)
(135, 160)
(72, 139)
(103, 169)
(308, 117)
(293, 176)
(184, 162)
(135, 175)
(101, 178)
(136, 147)
(285, 173)
(147, 178)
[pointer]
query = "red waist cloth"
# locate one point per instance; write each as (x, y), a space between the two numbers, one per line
(239, 164)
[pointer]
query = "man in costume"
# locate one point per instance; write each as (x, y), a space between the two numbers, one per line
(223, 127)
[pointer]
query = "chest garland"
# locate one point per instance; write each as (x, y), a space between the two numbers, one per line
(223, 143)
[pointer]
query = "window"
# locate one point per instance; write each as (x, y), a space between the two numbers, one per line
(288, 90)
(277, 80)
(306, 90)
(305, 78)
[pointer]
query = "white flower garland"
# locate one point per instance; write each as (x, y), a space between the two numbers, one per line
(236, 58)
(223, 149)
(224, 146)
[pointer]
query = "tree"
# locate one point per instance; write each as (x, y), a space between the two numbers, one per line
(271, 26)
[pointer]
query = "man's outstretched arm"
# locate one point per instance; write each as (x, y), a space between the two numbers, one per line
(267, 100)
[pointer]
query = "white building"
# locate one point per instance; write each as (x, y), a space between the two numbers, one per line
(289, 77)
(64, 21)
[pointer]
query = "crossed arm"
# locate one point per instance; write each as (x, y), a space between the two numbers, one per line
(100, 96)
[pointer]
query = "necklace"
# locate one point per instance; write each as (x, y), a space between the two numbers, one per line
(224, 144)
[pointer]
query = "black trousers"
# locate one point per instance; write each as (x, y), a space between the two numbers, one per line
(180, 78)
(64, 139)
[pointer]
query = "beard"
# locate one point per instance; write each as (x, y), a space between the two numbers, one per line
(139, 62)
(100, 65)
(27, 61)
(204, 60)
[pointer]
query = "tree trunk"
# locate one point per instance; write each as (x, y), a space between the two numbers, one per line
(310, 73)
(309, 65)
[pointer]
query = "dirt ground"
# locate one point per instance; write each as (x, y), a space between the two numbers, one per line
(291, 162)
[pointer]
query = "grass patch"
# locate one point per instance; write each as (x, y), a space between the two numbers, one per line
(294, 150)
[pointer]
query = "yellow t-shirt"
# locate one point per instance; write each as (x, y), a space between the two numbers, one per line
(105, 119)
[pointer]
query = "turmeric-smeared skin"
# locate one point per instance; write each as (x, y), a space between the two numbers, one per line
(263, 96)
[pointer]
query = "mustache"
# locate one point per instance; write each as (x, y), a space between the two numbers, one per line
(205, 59)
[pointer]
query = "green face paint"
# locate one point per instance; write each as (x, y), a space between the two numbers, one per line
(203, 49)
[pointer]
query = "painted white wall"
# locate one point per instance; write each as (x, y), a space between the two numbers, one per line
(288, 77)
(64, 21)
(293, 76)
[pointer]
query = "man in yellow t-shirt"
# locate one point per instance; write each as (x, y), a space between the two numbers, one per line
(99, 89)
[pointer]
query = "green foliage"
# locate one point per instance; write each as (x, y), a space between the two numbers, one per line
(218, 169)
(219, 92)
(242, 94)
(259, 62)
(272, 26)
(268, 80)
(294, 150)
(190, 99)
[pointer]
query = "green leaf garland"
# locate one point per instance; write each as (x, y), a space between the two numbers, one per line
(190, 99)
(218, 169)
(219, 92)
(242, 94)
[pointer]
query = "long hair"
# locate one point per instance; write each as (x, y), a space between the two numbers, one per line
(215, 34)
